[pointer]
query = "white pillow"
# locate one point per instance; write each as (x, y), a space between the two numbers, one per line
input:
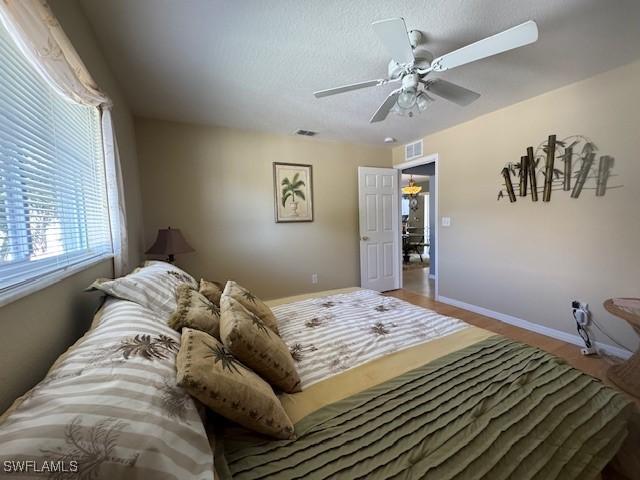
(153, 286)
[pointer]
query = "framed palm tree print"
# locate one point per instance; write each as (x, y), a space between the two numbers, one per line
(293, 188)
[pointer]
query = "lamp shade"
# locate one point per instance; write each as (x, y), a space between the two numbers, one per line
(169, 242)
(412, 188)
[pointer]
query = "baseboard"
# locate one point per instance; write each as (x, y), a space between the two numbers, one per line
(534, 327)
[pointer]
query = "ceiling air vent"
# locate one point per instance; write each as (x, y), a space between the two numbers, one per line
(413, 150)
(306, 133)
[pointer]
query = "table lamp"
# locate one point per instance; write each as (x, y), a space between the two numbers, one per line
(170, 242)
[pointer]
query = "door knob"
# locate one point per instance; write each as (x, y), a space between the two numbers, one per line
(365, 238)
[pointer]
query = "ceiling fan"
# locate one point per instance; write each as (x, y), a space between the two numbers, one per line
(411, 63)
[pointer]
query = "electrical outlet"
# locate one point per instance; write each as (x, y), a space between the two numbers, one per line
(579, 304)
(446, 221)
(581, 312)
(314, 278)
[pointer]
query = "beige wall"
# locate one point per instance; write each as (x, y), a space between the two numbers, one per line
(216, 184)
(38, 328)
(529, 259)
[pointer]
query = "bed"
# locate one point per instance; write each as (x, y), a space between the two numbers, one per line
(391, 390)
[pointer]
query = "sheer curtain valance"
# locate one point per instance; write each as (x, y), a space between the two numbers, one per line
(40, 38)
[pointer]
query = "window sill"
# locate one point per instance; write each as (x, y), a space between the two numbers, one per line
(45, 281)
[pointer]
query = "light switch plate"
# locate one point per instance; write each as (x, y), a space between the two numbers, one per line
(446, 221)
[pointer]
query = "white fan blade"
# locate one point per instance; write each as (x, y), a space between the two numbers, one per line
(452, 92)
(383, 110)
(348, 88)
(394, 36)
(515, 37)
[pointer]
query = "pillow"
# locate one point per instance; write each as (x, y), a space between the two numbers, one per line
(209, 372)
(111, 407)
(255, 345)
(195, 311)
(211, 290)
(252, 303)
(153, 286)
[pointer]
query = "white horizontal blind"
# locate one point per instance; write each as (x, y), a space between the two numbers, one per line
(53, 205)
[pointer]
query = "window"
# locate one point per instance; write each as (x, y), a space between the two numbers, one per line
(53, 205)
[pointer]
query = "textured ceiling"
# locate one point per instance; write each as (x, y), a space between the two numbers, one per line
(254, 64)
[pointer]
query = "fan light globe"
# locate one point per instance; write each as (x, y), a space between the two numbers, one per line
(423, 102)
(407, 99)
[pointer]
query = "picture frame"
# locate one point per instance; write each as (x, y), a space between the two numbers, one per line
(293, 192)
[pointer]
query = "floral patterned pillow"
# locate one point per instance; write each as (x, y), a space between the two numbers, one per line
(257, 346)
(252, 303)
(210, 372)
(211, 290)
(195, 311)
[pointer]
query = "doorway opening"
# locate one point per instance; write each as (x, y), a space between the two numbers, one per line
(419, 226)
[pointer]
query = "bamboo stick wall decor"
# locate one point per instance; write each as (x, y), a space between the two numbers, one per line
(587, 161)
(606, 162)
(568, 154)
(524, 174)
(579, 170)
(532, 174)
(506, 173)
(548, 168)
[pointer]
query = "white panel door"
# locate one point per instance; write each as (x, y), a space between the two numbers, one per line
(379, 228)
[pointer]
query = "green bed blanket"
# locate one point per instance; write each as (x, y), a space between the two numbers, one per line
(497, 409)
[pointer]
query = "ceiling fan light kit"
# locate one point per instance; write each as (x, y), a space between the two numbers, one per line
(420, 103)
(407, 99)
(411, 63)
(408, 94)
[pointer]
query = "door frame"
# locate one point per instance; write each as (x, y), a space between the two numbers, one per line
(431, 158)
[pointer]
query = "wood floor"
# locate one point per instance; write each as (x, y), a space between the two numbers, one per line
(417, 280)
(594, 366)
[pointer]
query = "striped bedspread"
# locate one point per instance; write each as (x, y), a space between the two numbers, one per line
(331, 334)
(494, 410)
(109, 408)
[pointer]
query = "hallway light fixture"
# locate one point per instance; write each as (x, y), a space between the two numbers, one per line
(411, 189)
